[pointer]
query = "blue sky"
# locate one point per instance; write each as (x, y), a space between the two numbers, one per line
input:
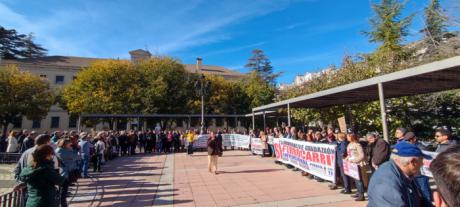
(297, 35)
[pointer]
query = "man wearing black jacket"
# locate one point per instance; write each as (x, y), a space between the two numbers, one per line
(378, 151)
(219, 143)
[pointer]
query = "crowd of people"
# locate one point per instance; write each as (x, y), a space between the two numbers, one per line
(50, 163)
(390, 173)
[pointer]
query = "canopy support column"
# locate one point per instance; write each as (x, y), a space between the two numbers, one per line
(79, 124)
(383, 112)
(289, 114)
(253, 121)
(265, 124)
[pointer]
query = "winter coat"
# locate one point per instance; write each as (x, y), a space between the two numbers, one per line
(378, 152)
(41, 184)
(68, 160)
(389, 187)
(356, 154)
(213, 148)
(13, 145)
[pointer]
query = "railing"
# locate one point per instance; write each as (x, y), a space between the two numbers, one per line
(15, 198)
(9, 158)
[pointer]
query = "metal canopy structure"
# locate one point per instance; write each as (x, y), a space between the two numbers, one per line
(433, 77)
(160, 115)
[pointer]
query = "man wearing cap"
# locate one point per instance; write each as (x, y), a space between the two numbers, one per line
(393, 183)
(411, 138)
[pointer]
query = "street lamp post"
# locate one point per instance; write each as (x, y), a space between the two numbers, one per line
(202, 86)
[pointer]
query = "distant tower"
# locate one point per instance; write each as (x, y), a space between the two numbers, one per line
(199, 63)
(139, 55)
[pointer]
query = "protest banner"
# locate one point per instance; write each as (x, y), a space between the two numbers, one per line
(425, 170)
(342, 124)
(228, 140)
(316, 159)
(351, 169)
(256, 146)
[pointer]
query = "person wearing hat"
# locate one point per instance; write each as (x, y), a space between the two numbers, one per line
(84, 154)
(411, 138)
(393, 184)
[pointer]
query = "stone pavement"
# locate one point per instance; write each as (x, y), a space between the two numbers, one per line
(7, 181)
(182, 180)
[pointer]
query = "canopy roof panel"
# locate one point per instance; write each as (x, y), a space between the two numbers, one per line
(433, 77)
(160, 115)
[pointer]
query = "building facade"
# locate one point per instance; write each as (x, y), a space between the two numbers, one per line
(62, 70)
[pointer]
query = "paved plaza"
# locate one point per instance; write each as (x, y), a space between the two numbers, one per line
(181, 180)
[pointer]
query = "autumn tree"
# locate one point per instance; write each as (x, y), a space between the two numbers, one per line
(22, 94)
(107, 87)
(166, 86)
(258, 90)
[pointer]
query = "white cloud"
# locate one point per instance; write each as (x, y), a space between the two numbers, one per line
(292, 26)
(105, 29)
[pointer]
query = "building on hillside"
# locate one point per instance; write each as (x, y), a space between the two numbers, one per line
(61, 70)
(302, 79)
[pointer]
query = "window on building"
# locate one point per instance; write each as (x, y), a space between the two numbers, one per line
(73, 121)
(36, 124)
(42, 76)
(59, 80)
(55, 122)
(17, 122)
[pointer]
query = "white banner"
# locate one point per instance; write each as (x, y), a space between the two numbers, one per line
(425, 170)
(316, 159)
(228, 140)
(351, 169)
(256, 146)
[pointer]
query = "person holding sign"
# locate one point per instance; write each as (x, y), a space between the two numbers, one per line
(356, 155)
(341, 154)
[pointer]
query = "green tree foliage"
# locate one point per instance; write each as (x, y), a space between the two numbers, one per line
(435, 22)
(389, 29)
(167, 87)
(109, 86)
(22, 94)
(14, 45)
(32, 49)
(258, 90)
(260, 63)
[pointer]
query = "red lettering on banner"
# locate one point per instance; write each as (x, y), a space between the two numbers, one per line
(315, 157)
(329, 160)
(322, 158)
(308, 156)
